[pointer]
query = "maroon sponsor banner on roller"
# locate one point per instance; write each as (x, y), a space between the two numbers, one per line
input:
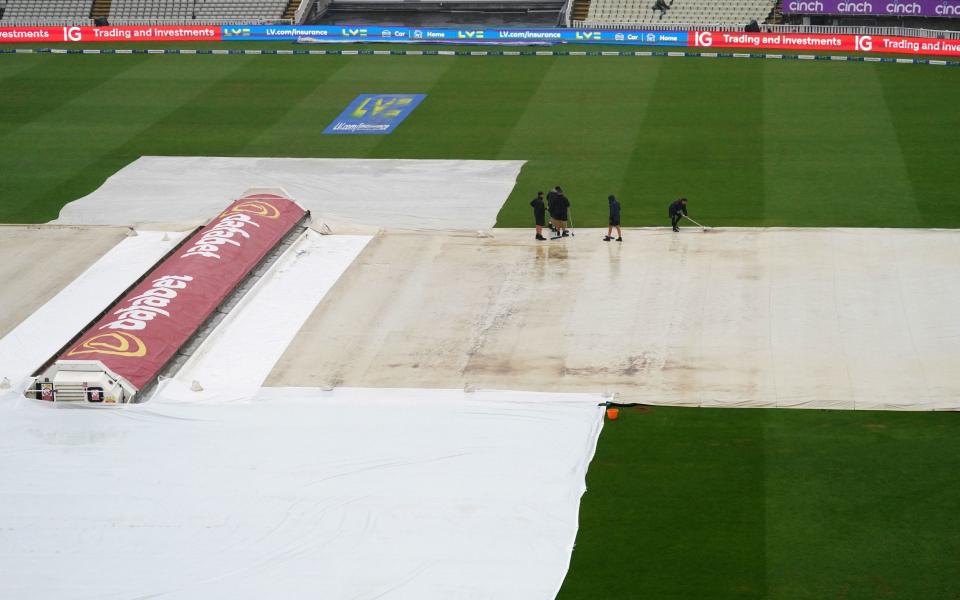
(146, 33)
(829, 42)
(147, 327)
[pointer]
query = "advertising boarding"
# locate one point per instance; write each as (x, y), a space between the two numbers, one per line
(912, 8)
(319, 34)
(369, 33)
(166, 33)
(825, 42)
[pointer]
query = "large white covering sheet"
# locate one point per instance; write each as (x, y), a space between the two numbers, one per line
(236, 358)
(295, 493)
(407, 194)
(39, 336)
(286, 492)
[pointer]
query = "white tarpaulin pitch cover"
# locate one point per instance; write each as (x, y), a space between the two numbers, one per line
(295, 493)
(405, 194)
(238, 492)
(236, 358)
(809, 318)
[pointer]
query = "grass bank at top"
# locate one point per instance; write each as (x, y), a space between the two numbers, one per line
(750, 142)
(779, 504)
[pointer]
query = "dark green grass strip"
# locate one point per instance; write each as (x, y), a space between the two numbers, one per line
(211, 110)
(831, 148)
(470, 112)
(700, 139)
(926, 120)
(727, 503)
(226, 116)
(27, 95)
(576, 131)
(299, 131)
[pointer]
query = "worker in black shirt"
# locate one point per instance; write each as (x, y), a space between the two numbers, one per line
(678, 210)
(563, 212)
(662, 6)
(538, 214)
(614, 220)
(552, 196)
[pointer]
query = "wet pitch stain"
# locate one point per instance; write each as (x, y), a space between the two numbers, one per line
(633, 366)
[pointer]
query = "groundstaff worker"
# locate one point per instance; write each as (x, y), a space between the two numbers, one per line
(614, 220)
(552, 196)
(538, 214)
(678, 210)
(563, 212)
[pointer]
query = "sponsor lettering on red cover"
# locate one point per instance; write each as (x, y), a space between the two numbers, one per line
(151, 322)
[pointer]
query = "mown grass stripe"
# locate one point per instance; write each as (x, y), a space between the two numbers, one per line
(675, 508)
(47, 85)
(848, 166)
(703, 150)
(476, 110)
(746, 503)
(469, 112)
(925, 120)
(581, 138)
(81, 142)
(299, 131)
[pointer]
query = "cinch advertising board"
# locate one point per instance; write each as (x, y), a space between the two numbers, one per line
(898, 8)
(812, 41)
(166, 33)
(376, 114)
(153, 321)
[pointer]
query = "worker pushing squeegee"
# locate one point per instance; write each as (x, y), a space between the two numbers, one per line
(677, 211)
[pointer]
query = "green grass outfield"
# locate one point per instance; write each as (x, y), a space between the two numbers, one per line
(682, 503)
(780, 504)
(749, 141)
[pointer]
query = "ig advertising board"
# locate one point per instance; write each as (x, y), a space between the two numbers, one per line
(166, 33)
(825, 42)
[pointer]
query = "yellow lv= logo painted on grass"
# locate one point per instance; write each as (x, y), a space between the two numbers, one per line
(378, 107)
(374, 114)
